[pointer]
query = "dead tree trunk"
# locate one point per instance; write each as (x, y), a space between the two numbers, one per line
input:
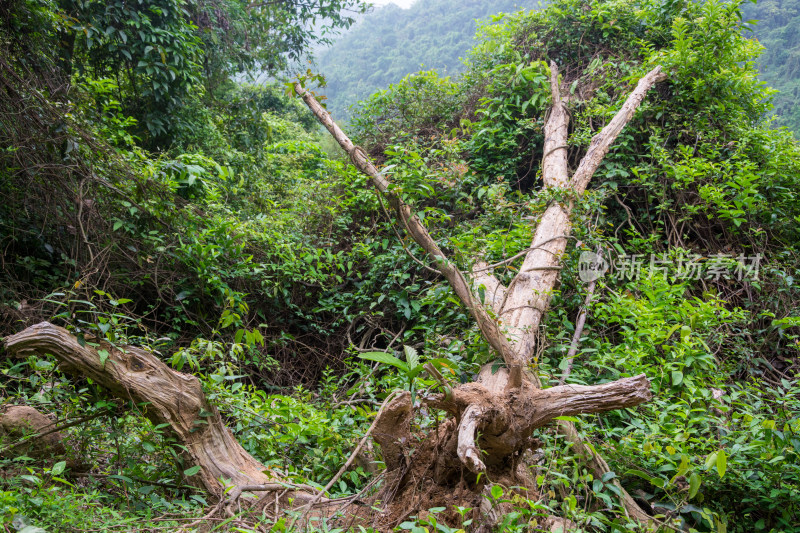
(165, 397)
(505, 407)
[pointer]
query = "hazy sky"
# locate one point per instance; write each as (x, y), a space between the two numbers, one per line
(401, 3)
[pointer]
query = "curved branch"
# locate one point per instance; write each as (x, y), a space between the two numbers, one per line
(468, 452)
(602, 142)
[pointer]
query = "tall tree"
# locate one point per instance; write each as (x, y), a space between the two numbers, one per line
(159, 51)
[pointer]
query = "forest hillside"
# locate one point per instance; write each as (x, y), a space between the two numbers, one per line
(557, 292)
(779, 65)
(390, 42)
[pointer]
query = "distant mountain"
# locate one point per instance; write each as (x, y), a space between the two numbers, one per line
(391, 42)
(778, 29)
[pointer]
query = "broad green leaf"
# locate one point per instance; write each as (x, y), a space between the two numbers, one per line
(386, 358)
(412, 357)
(103, 357)
(694, 484)
(677, 377)
(414, 372)
(684, 466)
(722, 463)
(568, 419)
(58, 468)
(686, 331)
(191, 471)
(711, 460)
(670, 332)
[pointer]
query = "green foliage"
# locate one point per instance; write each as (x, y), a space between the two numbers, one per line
(150, 48)
(509, 130)
(297, 436)
(239, 35)
(418, 101)
(390, 43)
(695, 170)
(248, 252)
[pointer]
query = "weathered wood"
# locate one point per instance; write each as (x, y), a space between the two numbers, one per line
(506, 406)
(507, 417)
(529, 293)
(163, 394)
(467, 451)
(494, 293)
(31, 432)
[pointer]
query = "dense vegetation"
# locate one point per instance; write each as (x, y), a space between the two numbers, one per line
(149, 199)
(391, 42)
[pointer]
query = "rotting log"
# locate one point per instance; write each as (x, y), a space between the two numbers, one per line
(165, 396)
(34, 434)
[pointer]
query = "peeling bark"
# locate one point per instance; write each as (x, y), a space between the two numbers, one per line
(468, 452)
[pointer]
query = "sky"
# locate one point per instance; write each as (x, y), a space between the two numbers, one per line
(405, 4)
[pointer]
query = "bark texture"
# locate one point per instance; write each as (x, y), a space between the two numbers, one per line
(164, 395)
(508, 416)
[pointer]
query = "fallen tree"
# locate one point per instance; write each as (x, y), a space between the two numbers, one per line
(165, 396)
(505, 407)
